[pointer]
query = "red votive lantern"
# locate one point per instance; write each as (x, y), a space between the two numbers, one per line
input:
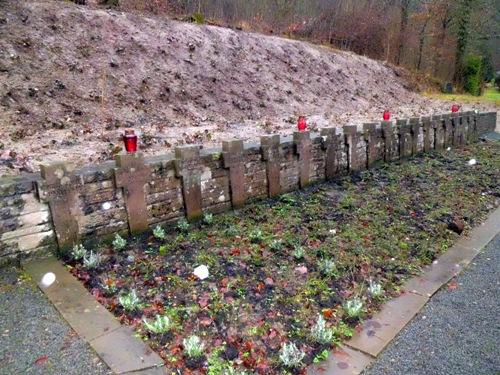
(455, 108)
(301, 124)
(130, 140)
(387, 115)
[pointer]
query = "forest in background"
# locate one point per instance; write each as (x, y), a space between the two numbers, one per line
(447, 40)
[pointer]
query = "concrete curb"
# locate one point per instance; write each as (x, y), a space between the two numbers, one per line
(114, 344)
(382, 328)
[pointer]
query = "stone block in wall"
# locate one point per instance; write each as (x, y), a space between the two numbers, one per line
(371, 139)
(448, 130)
(59, 187)
(188, 168)
(303, 149)
(233, 155)
(437, 125)
(427, 131)
(356, 148)
(318, 160)
(405, 142)
(332, 144)
(416, 135)
(270, 148)
(132, 175)
(389, 140)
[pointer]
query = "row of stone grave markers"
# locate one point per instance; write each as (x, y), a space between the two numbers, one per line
(135, 193)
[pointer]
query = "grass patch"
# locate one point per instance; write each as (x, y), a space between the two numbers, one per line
(490, 95)
(264, 309)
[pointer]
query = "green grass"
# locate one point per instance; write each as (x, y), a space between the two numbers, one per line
(491, 95)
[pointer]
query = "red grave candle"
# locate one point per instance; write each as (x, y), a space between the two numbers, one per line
(387, 115)
(301, 124)
(455, 108)
(130, 140)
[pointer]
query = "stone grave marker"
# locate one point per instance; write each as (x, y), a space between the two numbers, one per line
(233, 158)
(188, 168)
(303, 145)
(271, 155)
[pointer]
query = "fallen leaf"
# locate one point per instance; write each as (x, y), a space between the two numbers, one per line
(453, 285)
(41, 360)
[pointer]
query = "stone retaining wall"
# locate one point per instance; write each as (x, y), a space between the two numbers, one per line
(63, 206)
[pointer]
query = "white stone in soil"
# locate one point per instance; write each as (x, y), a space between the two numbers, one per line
(48, 279)
(472, 162)
(201, 272)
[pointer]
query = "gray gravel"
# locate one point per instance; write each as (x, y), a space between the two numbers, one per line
(31, 329)
(458, 332)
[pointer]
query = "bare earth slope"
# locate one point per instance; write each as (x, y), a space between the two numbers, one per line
(72, 77)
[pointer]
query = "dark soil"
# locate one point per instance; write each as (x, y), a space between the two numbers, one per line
(382, 225)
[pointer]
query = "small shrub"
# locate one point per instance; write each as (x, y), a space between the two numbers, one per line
(78, 252)
(256, 236)
(291, 356)
(328, 267)
(130, 302)
(320, 332)
(163, 249)
(208, 218)
(159, 233)
(183, 225)
(276, 245)
(353, 307)
(161, 324)
(198, 18)
(193, 347)
(473, 82)
(92, 260)
(298, 252)
(109, 287)
(119, 243)
(375, 290)
(320, 357)
(343, 330)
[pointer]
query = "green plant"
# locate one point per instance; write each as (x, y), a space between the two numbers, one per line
(193, 346)
(320, 357)
(353, 307)
(159, 233)
(198, 18)
(256, 236)
(161, 324)
(375, 290)
(473, 82)
(119, 242)
(343, 330)
(208, 218)
(298, 252)
(163, 249)
(276, 245)
(78, 252)
(320, 332)
(109, 287)
(183, 225)
(130, 301)
(92, 260)
(291, 356)
(328, 267)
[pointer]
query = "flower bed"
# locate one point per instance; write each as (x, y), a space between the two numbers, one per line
(289, 278)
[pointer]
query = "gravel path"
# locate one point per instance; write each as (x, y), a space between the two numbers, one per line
(34, 338)
(458, 331)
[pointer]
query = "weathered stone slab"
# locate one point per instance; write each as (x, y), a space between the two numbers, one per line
(448, 130)
(123, 353)
(331, 145)
(404, 138)
(426, 129)
(342, 361)
(369, 132)
(59, 188)
(188, 168)
(84, 314)
(377, 332)
(132, 175)
(270, 148)
(415, 132)
(388, 135)
(437, 124)
(352, 137)
(233, 158)
(303, 146)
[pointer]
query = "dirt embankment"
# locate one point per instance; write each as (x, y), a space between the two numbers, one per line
(72, 77)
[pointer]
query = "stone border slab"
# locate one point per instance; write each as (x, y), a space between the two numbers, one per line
(114, 343)
(382, 328)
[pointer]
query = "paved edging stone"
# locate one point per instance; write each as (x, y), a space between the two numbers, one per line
(114, 343)
(379, 331)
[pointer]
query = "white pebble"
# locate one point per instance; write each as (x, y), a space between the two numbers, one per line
(472, 162)
(201, 272)
(106, 206)
(448, 149)
(48, 279)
